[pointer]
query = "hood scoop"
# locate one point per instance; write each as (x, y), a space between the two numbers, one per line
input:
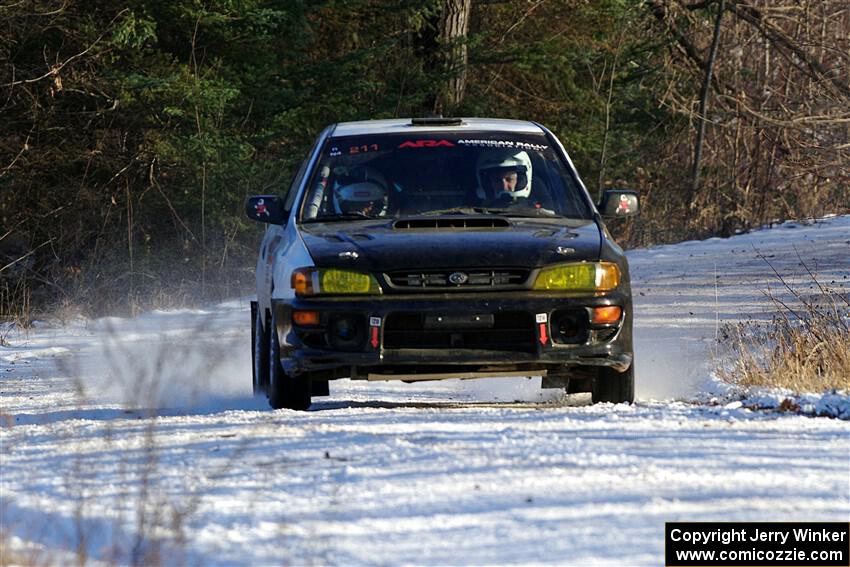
(451, 223)
(343, 237)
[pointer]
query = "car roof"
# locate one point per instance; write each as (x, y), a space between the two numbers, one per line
(405, 125)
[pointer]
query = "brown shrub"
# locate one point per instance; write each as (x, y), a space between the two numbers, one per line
(804, 348)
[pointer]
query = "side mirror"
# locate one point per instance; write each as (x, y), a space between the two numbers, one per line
(265, 208)
(619, 203)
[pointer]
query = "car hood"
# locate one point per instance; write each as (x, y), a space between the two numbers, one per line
(380, 246)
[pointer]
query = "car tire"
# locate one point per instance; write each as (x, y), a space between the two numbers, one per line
(285, 392)
(259, 351)
(614, 387)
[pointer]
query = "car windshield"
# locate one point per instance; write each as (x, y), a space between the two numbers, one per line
(434, 173)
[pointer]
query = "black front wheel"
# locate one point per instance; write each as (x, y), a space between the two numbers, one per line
(285, 392)
(612, 386)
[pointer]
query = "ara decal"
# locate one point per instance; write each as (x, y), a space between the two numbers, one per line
(426, 144)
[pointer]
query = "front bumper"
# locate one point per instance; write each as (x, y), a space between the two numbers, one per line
(450, 333)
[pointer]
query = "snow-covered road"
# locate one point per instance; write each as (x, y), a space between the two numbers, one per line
(138, 440)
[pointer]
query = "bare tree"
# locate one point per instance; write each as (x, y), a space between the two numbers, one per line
(780, 108)
(702, 117)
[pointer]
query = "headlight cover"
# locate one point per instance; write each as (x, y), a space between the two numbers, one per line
(584, 276)
(333, 281)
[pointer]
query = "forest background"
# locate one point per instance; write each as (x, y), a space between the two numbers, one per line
(131, 132)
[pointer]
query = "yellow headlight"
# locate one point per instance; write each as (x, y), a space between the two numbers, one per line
(312, 281)
(587, 276)
(345, 282)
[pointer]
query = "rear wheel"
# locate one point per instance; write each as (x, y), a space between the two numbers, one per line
(285, 392)
(612, 386)
(259, 350)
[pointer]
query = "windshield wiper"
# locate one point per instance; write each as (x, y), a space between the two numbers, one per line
(456, 211)
(521, 212)
(508, 212)
(340, 217)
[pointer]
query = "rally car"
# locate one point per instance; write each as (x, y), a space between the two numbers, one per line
(436, 248)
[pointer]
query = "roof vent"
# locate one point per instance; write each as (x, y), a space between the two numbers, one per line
(436, 121)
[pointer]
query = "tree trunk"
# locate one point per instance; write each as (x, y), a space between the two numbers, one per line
(703, 103)
(453, 28)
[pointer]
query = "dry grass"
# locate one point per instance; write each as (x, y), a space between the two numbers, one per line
(24, 554)
(15, 307)
(145, 513)
(804, 348)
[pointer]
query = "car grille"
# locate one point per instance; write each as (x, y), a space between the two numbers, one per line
(441, 280)
(511, 331)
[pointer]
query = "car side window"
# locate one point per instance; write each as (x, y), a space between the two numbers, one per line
(563, 191)
(292, 193)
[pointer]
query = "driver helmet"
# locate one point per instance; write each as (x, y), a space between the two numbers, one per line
(361, 189)
(504, 173)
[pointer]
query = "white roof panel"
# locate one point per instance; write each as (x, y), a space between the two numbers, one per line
(404, 125)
